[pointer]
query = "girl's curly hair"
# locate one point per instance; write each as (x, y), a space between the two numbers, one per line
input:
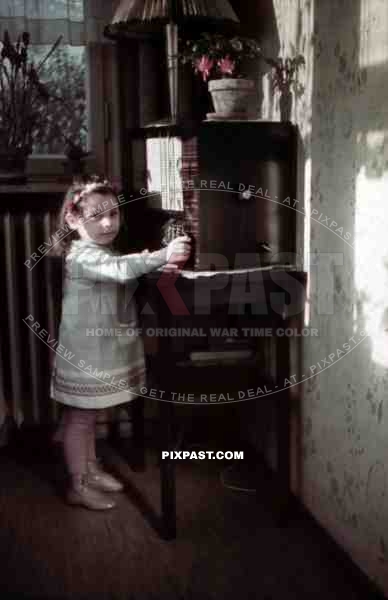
(79, 191)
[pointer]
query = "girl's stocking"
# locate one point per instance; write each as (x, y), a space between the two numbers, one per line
(78, 428)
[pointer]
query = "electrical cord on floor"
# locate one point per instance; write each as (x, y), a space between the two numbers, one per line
(235, 487)
(224, 483)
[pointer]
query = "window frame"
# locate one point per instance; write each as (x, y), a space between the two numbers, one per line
(46, 167)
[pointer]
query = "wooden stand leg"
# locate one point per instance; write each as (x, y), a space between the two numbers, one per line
(114, 433)
(283, 458)
(167, 472)
(283, 425)
(137, 413)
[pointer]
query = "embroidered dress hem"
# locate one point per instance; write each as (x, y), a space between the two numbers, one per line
(97, 403)
(75, 388)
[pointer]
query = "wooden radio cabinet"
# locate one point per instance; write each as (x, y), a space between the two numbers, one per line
(233, 184)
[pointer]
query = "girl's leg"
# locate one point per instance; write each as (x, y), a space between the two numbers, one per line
(97, 477)
(79, 424)
(91, 444)
(60, 430)
(76, 433)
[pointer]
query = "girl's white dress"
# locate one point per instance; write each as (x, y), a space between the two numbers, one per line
(99, 358)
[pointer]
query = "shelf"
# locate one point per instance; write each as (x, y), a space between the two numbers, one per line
(219, 379)
(42, 187)
(275, 129)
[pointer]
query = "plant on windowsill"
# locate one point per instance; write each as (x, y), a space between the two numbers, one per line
(75, 155)
(285, 79)
(21, 94)
(219, 60)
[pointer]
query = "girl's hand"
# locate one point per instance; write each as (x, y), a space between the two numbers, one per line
(178, 251)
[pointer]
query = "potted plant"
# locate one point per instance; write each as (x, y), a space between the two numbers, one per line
(21, 94)
(75, 152)
(284, 78)
(219, 60)
(75, 155)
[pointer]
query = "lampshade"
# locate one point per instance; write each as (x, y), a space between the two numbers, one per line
(150, 15)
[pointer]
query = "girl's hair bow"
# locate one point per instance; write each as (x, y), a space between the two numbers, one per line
(83, 189)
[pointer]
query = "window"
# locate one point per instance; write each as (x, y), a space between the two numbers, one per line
(64, 117)
(83, 75)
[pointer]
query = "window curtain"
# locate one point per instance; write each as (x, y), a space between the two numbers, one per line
(78, 21)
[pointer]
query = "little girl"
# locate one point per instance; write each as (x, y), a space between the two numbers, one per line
(93, 371)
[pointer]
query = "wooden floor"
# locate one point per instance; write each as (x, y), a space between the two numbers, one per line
(228, 546)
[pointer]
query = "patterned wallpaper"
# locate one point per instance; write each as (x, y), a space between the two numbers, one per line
(343, 118)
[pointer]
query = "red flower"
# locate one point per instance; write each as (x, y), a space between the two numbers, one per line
(70, 207)
(204, 65)
(226, 65)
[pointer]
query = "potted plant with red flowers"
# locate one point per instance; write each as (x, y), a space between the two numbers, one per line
(21, 94)
(220, 59)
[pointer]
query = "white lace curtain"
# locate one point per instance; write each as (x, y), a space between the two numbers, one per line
(78, 21)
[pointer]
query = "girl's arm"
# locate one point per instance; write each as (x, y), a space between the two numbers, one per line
(98, 264)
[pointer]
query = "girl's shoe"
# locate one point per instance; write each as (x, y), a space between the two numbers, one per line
(83, 495)
(99, 479)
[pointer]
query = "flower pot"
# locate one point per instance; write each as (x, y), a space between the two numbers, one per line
(75, 166)
(285, 105)
(13, 167)
(233, 97)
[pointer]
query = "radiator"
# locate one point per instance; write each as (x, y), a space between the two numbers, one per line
(25, 358)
